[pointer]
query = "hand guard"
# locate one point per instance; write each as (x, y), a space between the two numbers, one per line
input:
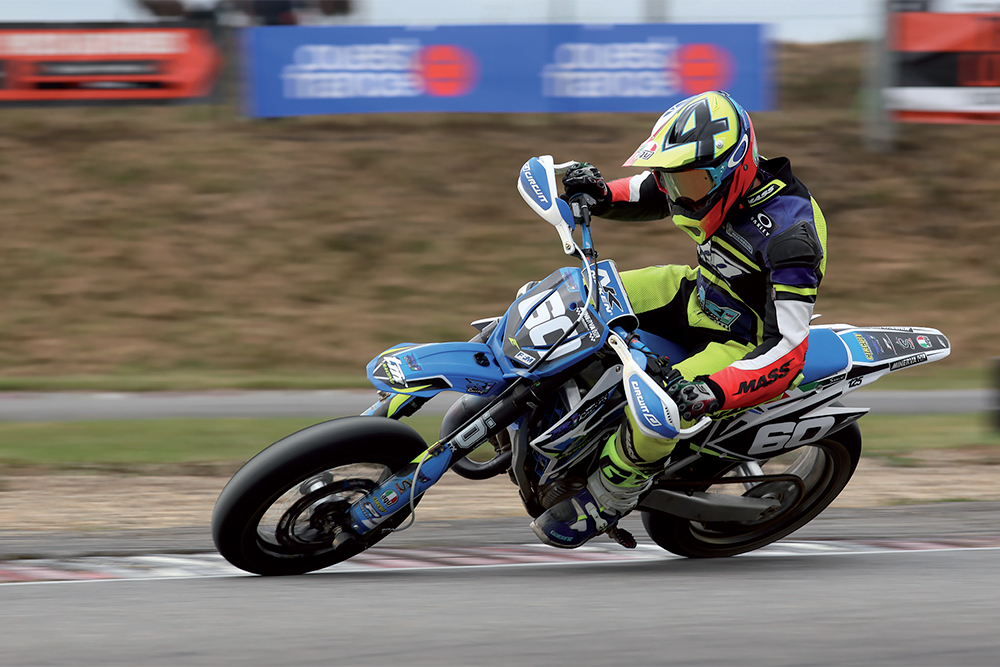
(693, 399)
(584, 178)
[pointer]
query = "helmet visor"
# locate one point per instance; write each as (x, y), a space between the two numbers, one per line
(690, 186)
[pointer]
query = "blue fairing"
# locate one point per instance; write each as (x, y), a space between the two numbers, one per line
(615, 309)
(538, 320)
(825, 356)
(425, 370)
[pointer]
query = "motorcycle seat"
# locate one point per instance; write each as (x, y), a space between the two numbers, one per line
(826, 355)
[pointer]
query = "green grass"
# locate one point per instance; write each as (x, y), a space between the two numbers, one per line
(134, 444)
(124, 443)
(893, 436)
(934, 376)
(154, 442)
(186, 381)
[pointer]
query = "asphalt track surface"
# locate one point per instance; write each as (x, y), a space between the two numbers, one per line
(323, 404)
(910, 585)
(890, 586)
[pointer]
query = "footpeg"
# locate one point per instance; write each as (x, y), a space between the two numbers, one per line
(622, 537)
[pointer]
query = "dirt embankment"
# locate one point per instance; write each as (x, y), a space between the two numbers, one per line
(147, 240)
(104, 502)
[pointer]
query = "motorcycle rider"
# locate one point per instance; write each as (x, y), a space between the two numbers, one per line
(742, 315)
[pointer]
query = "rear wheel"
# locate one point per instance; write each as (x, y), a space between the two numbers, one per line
(825, 467)
(285, 511)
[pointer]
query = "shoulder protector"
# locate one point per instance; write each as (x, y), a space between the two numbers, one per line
(797, 246)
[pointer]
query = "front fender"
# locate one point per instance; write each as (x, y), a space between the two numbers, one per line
(426, 370)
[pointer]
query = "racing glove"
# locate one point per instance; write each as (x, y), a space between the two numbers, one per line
(584, 177)
(694, 398)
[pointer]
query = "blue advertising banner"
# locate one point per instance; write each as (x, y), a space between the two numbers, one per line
(303, 70)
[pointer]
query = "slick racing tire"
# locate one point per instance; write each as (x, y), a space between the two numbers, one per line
(825, 467)
(285, 511)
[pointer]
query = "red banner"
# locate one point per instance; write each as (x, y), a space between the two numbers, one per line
(946, 67)
(120, 63)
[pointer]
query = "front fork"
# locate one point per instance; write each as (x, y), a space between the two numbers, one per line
(397, 492)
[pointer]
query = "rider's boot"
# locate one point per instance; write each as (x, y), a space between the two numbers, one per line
(612, 491)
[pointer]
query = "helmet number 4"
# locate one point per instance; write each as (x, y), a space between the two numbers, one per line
(787, 435)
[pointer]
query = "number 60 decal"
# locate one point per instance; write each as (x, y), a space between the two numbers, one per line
(548, 318)
(786, 435)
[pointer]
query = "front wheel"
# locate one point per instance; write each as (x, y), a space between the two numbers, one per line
(825, 467)
(285, 511)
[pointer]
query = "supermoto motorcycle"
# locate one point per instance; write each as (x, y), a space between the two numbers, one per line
(544, 387)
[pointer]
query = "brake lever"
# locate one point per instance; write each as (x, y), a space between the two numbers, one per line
(563, 167)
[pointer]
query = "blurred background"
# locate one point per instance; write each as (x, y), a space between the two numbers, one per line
(173, 219)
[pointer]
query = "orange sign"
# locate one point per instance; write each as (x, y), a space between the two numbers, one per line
(114, 64)
(946, 67)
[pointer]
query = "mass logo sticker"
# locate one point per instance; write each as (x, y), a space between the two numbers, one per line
(763, 195)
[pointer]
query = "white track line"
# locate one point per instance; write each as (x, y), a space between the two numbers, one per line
(210, 566)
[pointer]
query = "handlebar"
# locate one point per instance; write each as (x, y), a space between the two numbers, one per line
(537, 185)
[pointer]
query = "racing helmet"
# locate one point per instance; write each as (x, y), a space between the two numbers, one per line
(703, 152)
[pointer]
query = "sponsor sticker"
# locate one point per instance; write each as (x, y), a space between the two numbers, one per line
(389, 497)
(593, 333)
(864, 347)
(477, 387)
(923, 341)
(647, 151)
(908, 361)
(721, 315)
(763, 223)
(524, 358)
(394, 370)
(822, 384)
